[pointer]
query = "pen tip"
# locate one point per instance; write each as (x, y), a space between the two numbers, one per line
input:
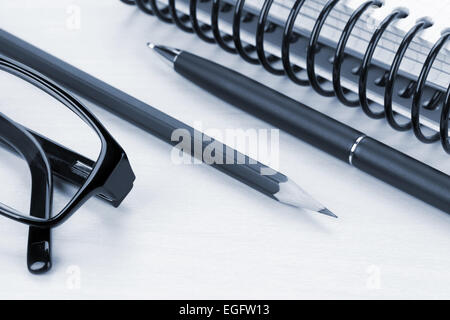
(150, 45)
(328, 213)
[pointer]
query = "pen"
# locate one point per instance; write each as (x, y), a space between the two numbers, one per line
(250, 172)
(313, 127)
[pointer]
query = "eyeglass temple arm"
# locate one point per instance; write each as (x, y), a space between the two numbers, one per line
(68, 165)
(65, 164)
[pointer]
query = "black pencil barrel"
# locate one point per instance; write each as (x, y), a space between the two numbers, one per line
(131, 109)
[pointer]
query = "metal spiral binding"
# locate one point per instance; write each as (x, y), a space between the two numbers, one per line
(238, 18)
(392, 76)
(182, 22)
(221, 41)
(144, 5)
(163, 14)
(364, 72)
(417, 100)
(415, 89)
(261, 29)
(288, 39)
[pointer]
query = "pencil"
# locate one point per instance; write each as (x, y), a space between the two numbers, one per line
(250, 172)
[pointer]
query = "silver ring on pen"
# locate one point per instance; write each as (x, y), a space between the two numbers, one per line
(354, 148)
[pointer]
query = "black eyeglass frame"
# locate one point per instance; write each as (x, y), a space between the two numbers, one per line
(111, 176)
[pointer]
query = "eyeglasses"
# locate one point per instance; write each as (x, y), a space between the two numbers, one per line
(41, 122)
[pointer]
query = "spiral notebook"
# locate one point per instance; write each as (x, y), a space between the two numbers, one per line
(215, 22)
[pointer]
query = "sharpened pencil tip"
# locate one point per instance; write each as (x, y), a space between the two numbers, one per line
(151, 45)
(328, 213)
(291, 194)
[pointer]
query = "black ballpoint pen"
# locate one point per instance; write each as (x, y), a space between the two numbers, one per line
(313, 127)
(277, 186)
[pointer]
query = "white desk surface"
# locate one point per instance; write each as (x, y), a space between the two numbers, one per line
(189, 231)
